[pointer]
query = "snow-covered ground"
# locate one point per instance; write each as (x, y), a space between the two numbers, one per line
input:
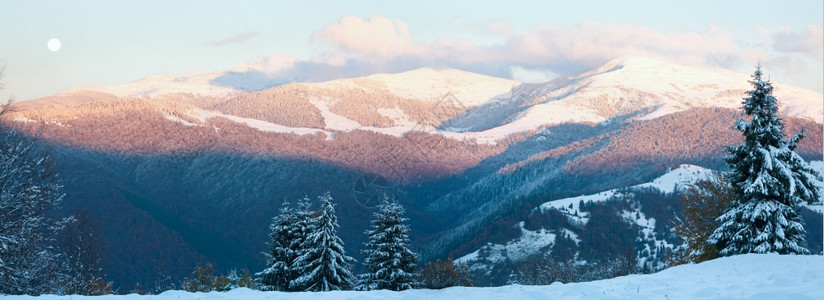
(752, 276)
(682, 176)
(531, 241)
(257, 124)
(432, 84)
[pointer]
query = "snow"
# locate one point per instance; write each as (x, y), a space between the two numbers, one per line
(751, 276)
(633, 84)
(695, 87)
(623, 86)
(397, 115)
(257, 124)
(467, 258)
(430, 84)
(683, 175)
(620, 87)
(517, 250)
(818, 165)
(550, 113)
(530, 242)
(179, 120)
(334, 121)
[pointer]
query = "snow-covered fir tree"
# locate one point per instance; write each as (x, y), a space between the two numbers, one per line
(29, 189)
(771, 181)
(279, 271)
(323, 265)
(387, 257)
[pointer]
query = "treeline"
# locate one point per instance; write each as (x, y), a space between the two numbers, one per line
(292, 106)
(417, 156)
(612, 242)
(305, 254)
(287, 106)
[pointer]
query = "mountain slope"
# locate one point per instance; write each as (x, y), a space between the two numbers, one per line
(632, 222)
(639, 87)
(466, 106)
(471, 156)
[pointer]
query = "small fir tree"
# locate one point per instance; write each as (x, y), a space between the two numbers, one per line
(770, 179)
(323, 265)
(279, 260)
(387, 257)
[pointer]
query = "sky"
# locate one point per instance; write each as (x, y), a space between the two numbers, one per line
(116, 42)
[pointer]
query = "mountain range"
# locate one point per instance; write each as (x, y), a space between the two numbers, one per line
(180, 170)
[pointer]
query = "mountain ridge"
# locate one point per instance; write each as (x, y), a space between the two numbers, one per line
(465, 168)
(468, 106)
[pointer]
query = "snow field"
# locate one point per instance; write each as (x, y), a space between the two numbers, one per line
(751, 276)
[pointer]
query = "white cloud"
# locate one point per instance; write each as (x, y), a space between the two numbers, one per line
(809, 42)
(357, 47)
(556, 49)
(378, 35)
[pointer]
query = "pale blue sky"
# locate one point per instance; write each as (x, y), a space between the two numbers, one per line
(112, 42)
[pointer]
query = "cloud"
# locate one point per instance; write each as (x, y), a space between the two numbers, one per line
(558, 49)
(809, 42)
(378, 35)
(355, 46)
(235, 39)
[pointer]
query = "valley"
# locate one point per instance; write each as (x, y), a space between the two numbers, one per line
(194, 173)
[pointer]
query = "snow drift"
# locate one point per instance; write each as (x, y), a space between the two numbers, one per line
(751, 276)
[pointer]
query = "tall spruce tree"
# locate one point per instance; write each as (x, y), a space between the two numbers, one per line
(323, 265)
(279, 271)
(770, 180)
(387, 257)
(304, 224)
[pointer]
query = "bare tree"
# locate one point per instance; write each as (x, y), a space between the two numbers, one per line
(29, 189)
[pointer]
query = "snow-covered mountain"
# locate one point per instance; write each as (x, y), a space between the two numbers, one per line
(432, 84)
(474, 158)
(540, 241)
(533, 242)
(489, 109)
(630, 86)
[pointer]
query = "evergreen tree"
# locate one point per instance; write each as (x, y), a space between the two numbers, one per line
(279, 260)
(770, 179)
(387, 257)
(323, 264)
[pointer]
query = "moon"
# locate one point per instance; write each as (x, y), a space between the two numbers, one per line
(54, 45)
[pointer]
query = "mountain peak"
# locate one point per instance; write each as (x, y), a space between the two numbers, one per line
(434, 83)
